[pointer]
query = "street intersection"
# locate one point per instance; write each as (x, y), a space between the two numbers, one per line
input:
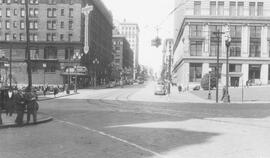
(132, 122)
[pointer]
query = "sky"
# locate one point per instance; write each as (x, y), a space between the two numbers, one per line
(148, 14)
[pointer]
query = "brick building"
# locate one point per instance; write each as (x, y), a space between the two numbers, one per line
(196, 46)
(123, 57)
(56, 33)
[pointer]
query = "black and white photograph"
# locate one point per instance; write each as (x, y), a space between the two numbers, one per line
(134, 78)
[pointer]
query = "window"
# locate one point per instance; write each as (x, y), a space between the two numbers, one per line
(0, 12)
(22, 26)
(21, 37)
(235, 49)
(221, 8)
(54, 12)
(33, 1)
(235, 68)
(35, 25)
(69, 52)
(254, 71)
(35, 12)
(62, 12)
(70, 25)
(51, 67)
(22, 12)
(70, 37)
(255, 31)
(255, 49)
(214, 48)
(62, 37)
(70, 12)
(7, 36)
(212, 7)
(7, 25)
(49, 37)
(54, 25)
(50, 53)
(0, 25)
(232, 8)
(14, 36)
(62, 24)
(196, 30)
(197, 8)
(240, 9)
(8, 1)
(195, 72)
(49, 12)
(15, 24)
(22, 1)
(236, 31)
(196, 48)
(251, 8)
(260, 8)
(53, 37)
(15, 12)
(31, 12)
(8, 12)
(31, 25)
(35, 37)
(51, 1)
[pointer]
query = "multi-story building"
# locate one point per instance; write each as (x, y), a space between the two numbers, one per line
(167, 55)
(123, 58)
(131, 32)
(196, 45)
(56, 33)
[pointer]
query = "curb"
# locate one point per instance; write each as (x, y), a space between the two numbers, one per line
(57, 97)
(13, 125)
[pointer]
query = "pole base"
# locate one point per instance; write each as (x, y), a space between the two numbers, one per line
(209, 96)
(226, 98)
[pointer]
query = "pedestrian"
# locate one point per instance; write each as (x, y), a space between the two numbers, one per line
(32, 106)
(10, 103)
(20, 106)
(247, 83)
(55, 91)
(179, 88)
(223, 92)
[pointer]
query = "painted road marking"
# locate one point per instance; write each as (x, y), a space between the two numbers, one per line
(113, 137)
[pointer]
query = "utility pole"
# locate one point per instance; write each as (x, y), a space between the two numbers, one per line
(29, 71)
(10, 62)
(217, 33)
(228, 42)
(169, 69)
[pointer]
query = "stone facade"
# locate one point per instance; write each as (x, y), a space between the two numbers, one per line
(195, 49)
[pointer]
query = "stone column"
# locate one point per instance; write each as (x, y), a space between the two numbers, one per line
(205, 68)
(245, 41)
(245, 71)
(206, 35)
(223, 74)
(86, 10)
(264, 74)
(264, 48)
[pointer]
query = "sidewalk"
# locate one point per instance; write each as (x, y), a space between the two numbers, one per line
(9, 121)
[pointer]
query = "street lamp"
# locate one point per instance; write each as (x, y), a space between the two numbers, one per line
(44, 65)
(228, 42)
(209, 84)
(76, 56)
(96, 61)
(6, 65)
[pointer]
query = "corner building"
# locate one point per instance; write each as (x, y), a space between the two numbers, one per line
(56, 33)
(196, 46)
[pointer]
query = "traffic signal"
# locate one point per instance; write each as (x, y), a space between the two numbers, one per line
(156, 42)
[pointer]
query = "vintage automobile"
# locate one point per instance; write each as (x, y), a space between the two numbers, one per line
(160, 89)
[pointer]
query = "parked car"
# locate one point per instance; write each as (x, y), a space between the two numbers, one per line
(111, 84)
(160, 89)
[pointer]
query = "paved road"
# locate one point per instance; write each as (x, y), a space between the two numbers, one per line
(110, 127)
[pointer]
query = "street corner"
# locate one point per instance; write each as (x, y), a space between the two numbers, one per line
(9, 121)
(60, 95)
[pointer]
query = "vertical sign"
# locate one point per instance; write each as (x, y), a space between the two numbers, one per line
(86, 10)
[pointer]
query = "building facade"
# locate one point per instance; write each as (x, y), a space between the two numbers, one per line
(197, 45)
(167, 59)
(123, 57)
(131, 32)
(56, 34)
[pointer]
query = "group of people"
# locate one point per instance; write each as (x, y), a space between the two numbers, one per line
(20, 101)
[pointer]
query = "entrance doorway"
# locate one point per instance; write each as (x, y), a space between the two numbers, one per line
(235, 81)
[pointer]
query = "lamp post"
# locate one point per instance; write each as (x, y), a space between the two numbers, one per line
(228, 42)
(95, 62)
(44, 65)
(209, 84)
(76, 56)
(6, 65)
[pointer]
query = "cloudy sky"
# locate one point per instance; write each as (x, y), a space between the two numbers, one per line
(148, 14)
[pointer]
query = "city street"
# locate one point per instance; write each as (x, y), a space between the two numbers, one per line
(111, 123)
